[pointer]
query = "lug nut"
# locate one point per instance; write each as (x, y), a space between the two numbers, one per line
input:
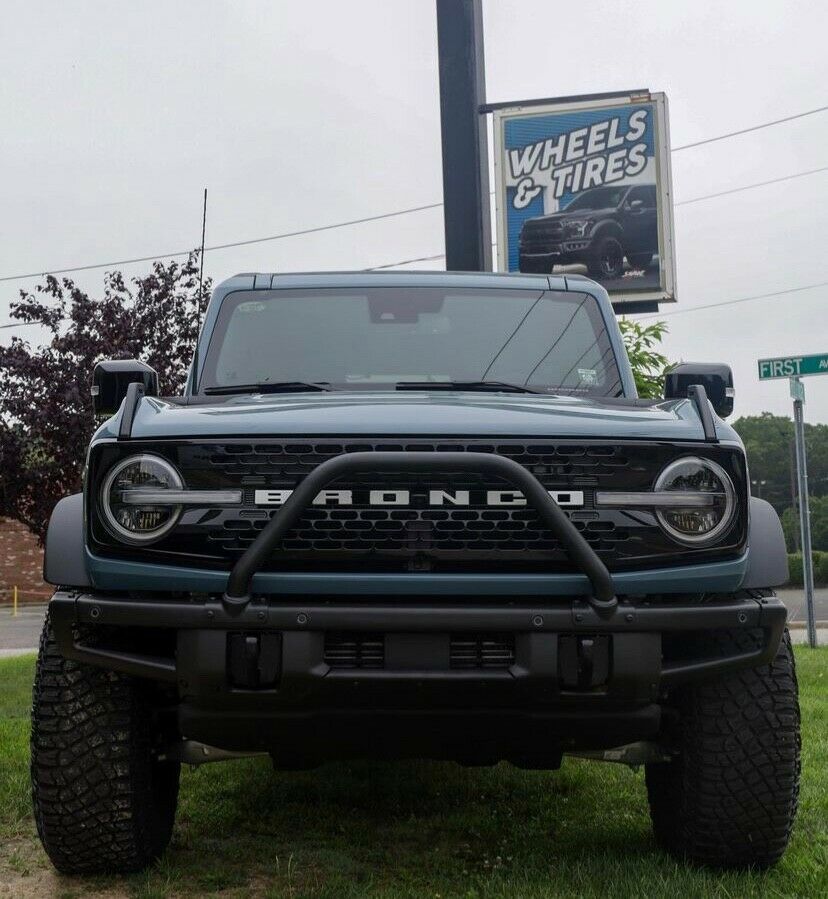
(301, 618)
(538, 621)
(95, 613)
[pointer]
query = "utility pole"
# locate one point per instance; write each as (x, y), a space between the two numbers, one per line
(467, 210)
(798, 395)
(793, 368)
(794, 497)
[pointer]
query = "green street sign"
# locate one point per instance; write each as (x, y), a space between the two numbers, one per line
(793, 366)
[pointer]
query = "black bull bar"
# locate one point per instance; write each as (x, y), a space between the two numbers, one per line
(602, 597)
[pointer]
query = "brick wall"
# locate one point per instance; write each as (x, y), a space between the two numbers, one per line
(21, 564)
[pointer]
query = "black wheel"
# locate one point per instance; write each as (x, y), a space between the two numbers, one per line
(102, 801)
(728, 799)
(607, 259)
(639, 260)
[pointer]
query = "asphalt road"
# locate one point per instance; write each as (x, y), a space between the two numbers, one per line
(23, 632)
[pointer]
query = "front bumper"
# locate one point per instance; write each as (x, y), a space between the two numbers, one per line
(590, 680)
(567, 252)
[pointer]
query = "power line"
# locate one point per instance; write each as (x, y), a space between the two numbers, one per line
(359, 221)
(721, 193)
(758, 296)
(736, 190)
(710, 140)
(436, 256)
(224, 246)
(376, 268)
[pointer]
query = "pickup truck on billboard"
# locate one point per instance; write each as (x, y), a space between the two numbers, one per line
(599, 228)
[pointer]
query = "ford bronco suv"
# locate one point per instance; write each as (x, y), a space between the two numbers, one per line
(414, 515)
(598, 228)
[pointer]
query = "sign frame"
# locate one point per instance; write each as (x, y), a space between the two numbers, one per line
(501, 113)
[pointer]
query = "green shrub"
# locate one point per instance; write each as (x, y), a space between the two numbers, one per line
(796, 577)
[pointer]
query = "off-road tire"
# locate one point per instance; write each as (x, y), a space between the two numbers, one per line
(639, 260)
(728, 798)
(102, 801)
(607, 258)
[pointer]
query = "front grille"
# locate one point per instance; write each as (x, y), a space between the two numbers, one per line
(415, 536)
(417, 529)
(482, 650)
(354, 650)
(537, 236)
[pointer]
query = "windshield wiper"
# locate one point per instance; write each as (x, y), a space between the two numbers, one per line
(490, 386)
(270, 387)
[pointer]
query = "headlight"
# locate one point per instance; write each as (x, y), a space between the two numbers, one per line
(126, 515)
(713, 494)
(578, 227)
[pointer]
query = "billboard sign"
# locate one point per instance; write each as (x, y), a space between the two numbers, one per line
(584, 187)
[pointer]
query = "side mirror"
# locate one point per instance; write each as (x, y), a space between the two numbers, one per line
(636, 205)
(716, 378)
(111, 379)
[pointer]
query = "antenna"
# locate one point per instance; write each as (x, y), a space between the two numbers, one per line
(191, 380)
(201, 262)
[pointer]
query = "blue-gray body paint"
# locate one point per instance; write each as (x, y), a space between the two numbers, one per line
(422, 414)
(114, 574)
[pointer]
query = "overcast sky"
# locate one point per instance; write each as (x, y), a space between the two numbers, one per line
(115, 115)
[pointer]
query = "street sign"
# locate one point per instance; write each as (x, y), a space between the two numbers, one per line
(797, 390)
(793, 366)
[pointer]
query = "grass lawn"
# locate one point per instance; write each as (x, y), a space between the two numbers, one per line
(414, 829)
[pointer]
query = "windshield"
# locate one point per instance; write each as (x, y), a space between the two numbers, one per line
(379, 337)
(599, 198)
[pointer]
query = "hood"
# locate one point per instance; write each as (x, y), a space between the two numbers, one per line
(466, 414)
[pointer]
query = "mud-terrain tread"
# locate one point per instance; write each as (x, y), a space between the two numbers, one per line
(729, 798)
(101, 802)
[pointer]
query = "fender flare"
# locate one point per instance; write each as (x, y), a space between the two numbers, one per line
(609, 226)
(64, 559)
(767, 552)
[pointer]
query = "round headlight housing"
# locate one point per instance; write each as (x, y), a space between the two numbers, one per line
(709, 502)
(128, 517)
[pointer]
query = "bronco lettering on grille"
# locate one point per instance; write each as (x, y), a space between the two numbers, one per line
(394, 497)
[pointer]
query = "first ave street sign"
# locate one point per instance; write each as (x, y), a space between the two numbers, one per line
(793, 366)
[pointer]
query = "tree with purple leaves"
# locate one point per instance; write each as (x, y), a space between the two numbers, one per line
(46, 416)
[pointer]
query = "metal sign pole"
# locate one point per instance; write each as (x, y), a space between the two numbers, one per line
(466, 203)
(798, 394)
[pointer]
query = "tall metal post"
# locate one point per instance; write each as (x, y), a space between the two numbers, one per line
(798, 394)
(794, 497)
(467, 209)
